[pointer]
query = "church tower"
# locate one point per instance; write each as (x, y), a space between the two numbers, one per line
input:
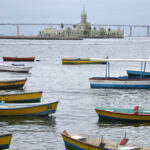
(83, 16)
(84, 27)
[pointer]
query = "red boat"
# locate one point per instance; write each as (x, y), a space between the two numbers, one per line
(18, 58)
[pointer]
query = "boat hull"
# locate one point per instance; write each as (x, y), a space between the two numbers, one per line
(28, 110)
(97, 82)
(81, 61)
(5, 141)
(8, 68)
(73, 144)
(18, 58)
(22, 98)
(12, 84)
(83, 142)
(109, 115)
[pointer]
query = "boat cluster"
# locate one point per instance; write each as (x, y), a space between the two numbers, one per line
(135, 79)
(30, 106)
(20, 104)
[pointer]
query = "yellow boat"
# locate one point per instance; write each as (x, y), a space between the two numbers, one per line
(5, 141)
(31, 109)
(12, 84)
(82, 61)
(22, 98)
(83, 142)
(122, 114)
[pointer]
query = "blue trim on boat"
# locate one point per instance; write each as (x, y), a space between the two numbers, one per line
(43, 113)
(4, 146)
(73, 146)
(119, 86)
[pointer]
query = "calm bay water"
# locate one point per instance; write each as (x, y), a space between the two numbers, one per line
(69, 84)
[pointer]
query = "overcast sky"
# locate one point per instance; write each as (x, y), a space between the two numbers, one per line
(130, 12)
(69, 11)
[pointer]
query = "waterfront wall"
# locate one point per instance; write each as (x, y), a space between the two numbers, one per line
(41, 38)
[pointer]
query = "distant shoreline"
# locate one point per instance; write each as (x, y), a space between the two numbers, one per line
(53, 38)
(40, 38)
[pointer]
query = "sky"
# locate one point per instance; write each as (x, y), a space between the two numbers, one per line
(69, 11)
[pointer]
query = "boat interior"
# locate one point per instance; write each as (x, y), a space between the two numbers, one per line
(101, 142)
(136, 110)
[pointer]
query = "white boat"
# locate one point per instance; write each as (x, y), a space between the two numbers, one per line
(120, 82)
(124, 82)
(12, 68)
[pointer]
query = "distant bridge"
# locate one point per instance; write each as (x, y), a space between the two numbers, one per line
(95, 25)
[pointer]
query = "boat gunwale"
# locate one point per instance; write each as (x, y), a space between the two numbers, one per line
(137, 70)
(118, 79)
(121, 113)
(9, 134)
(27, 71)
(21, 93)
(12, 66)
(26, 107)
(84, 142)
(7, 81)
(75, 59)
(83, 60)
(18, 58)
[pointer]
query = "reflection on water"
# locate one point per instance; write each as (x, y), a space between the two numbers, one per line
(27, 120)
(118, 123)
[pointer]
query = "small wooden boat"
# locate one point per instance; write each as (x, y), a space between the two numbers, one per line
(122, 114)
(83, 142)
(18, 58)
(138, 74)
(32, 109)
(31, 97)
(12, 84)
(5, 141)
(120, 82)
(12, 68)
(82, 61)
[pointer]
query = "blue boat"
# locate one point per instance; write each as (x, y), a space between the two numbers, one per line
(139, 73)
(123, 82)
(119, 83)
